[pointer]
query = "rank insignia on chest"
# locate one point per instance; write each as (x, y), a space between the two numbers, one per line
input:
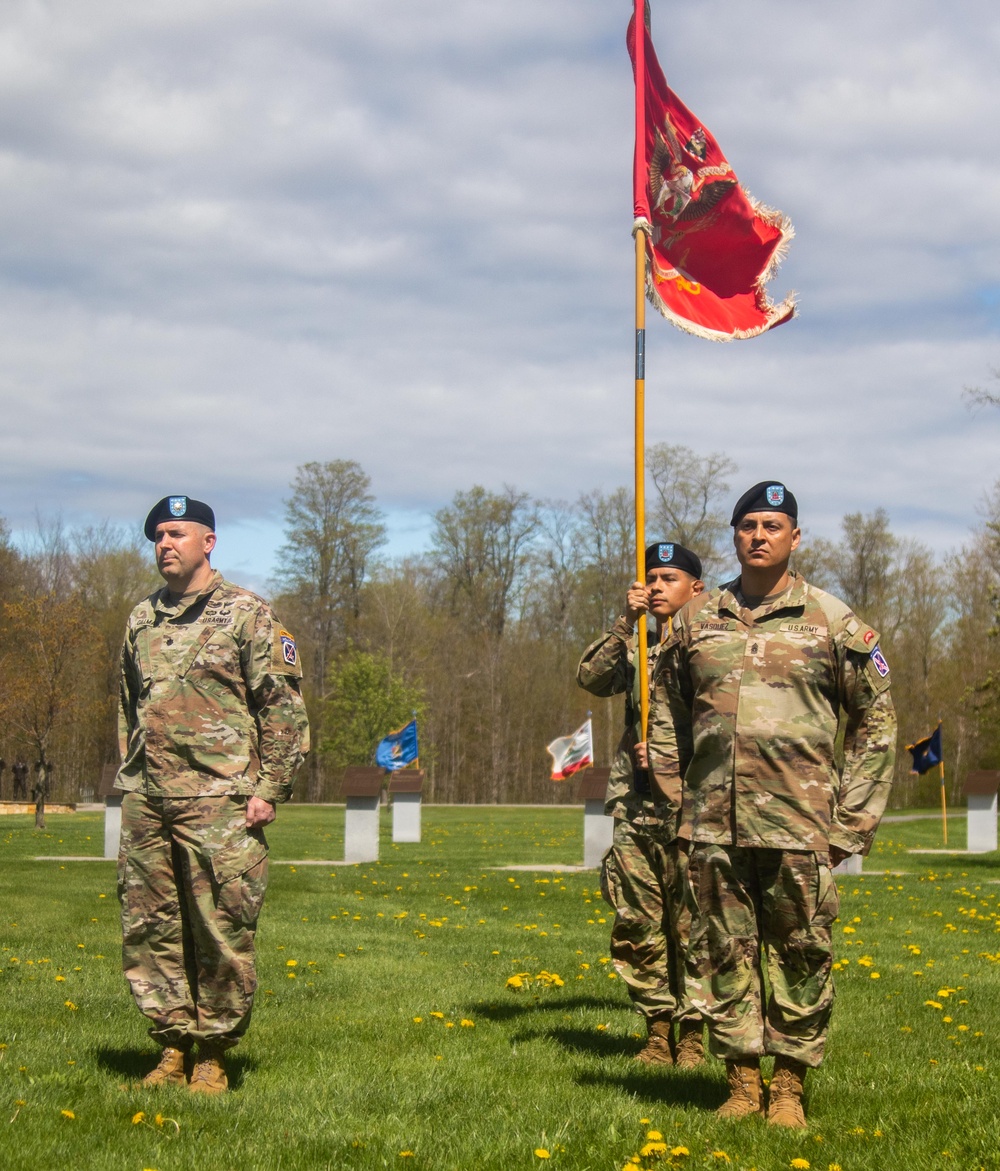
(288, 652)
(878, 659)
(178, 505)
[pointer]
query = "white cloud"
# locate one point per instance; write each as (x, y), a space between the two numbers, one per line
(243, 235)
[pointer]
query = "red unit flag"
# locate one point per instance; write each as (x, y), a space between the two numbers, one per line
(710, 247)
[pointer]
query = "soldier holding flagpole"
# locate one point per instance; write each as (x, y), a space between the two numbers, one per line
(642, 876)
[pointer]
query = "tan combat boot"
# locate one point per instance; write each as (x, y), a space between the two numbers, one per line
(170, 1071)
(209, 1073)
(787, 1082)
(658, 1049)
(746, 1090)
(690, 1051)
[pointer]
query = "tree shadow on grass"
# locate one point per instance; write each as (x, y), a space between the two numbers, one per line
(132, 1065)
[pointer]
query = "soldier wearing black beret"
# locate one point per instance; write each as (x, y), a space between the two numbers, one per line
(784, 734)
(642, 874)
(213, 729)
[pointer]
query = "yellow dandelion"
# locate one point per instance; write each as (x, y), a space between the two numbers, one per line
(70, 1005)
(799, 1164)
(467, 1024)
(291, 963)
(931, 1004)
(653, 1149)
(137, 1118)
(874, 976)
(67, 1113)
(542, 1153)
(654, 1136)
(60, 979)
(418, 1020)
(679, 1152)
(721, 1155)
(438, 1015)
(406, 1154)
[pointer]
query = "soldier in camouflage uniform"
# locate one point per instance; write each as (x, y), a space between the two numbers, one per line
(643, 872)
(213, 729)
(759, 674)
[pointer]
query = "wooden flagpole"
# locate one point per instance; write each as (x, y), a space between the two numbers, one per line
(639, 177)
(640, 467)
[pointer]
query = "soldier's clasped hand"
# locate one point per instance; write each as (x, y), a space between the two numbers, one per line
(636, 601)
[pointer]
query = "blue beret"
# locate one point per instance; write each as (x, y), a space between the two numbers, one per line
(178, 508)
(670, 554)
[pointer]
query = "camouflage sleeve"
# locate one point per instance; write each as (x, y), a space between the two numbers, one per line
(869, 743)
(128, 695)
(669, 733)
(604, 668)
(274, 678)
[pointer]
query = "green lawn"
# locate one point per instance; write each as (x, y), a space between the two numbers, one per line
(359, 1057)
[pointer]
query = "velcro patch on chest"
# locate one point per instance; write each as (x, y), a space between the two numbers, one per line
(702, 626)
(798, 628)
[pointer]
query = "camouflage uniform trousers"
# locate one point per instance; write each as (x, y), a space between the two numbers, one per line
(191, 882)
(643, 880)
(745, 902)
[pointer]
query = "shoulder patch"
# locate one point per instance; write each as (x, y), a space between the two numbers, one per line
(284, 653)
(863, 639)
(879, 663)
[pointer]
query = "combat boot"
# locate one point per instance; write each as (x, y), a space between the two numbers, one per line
(209, 1073)
(170, 1071)
(787, 1083)
(690, 1051)
(746, 1090)
(659, 1048)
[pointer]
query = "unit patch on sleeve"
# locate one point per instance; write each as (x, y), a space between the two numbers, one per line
(289, 654)
(878, 659)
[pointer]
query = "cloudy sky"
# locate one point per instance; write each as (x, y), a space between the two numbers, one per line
(242, 235)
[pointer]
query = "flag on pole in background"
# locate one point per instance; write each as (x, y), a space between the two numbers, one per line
(398, 749)
(572, 753)
(926, 753)
(710, 247)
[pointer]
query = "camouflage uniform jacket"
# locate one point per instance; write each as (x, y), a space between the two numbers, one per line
(757, 700)
(210, 697)
(608, 668)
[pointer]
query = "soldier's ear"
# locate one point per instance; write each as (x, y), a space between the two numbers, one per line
(796, 537)
(698, 588)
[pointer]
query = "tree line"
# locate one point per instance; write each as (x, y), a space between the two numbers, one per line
(480, 634)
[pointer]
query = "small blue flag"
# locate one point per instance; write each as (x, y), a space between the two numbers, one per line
(398, 749)
(927, 752)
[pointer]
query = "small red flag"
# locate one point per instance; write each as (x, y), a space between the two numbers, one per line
(710, 247)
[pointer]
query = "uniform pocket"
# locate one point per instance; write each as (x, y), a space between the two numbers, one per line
(240, 873)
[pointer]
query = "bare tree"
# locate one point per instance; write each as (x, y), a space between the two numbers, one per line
(481, 543)
(332, 528)
(689, 501)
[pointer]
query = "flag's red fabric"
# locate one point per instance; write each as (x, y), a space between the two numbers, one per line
(710, 247)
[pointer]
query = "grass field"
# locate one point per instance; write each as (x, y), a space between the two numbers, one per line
(385, 1034)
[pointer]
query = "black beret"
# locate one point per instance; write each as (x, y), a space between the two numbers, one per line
(178, 508)
(669, 553)
(767, 496)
